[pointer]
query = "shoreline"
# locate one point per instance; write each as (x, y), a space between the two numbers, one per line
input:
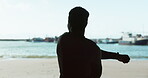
(13, 39)
(48, 68)
(55, 57)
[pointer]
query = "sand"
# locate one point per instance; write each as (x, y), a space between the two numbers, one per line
(48, 68)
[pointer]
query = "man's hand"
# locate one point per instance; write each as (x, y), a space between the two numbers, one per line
(123, 58)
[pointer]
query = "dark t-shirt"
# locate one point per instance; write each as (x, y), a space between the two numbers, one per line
(78, 57)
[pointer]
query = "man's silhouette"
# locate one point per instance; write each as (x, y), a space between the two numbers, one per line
(78, 56)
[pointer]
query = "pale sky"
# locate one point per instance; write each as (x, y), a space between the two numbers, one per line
(42, 18)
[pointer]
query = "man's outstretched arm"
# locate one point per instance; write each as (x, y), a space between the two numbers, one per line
(117, 56)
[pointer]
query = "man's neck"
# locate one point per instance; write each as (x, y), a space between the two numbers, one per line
(79, 34)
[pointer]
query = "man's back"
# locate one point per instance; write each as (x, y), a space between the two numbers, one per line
(78, 57)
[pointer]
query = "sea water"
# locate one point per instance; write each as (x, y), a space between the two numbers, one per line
(134, 51)
(23, 49)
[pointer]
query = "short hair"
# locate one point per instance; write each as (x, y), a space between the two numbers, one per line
(78, 17)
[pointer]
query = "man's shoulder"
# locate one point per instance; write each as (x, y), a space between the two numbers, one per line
(64, 35)
(90, 42)
(67, 36)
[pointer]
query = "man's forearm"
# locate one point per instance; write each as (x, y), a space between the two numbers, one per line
(109, 55)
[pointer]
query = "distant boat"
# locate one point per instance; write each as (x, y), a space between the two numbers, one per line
(38, 39)
(49, 39)
(129, 39)
(109, 41)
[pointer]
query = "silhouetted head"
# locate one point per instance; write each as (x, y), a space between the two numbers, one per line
(77, 19)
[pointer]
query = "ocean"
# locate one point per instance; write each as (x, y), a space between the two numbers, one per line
(23, 49)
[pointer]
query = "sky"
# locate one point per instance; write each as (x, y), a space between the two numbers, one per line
(48, 18)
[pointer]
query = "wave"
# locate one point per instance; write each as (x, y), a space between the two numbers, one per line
(45, 56)
(136, 57)
(30, 56)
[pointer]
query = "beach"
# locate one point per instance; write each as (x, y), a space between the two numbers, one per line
(48, 68)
